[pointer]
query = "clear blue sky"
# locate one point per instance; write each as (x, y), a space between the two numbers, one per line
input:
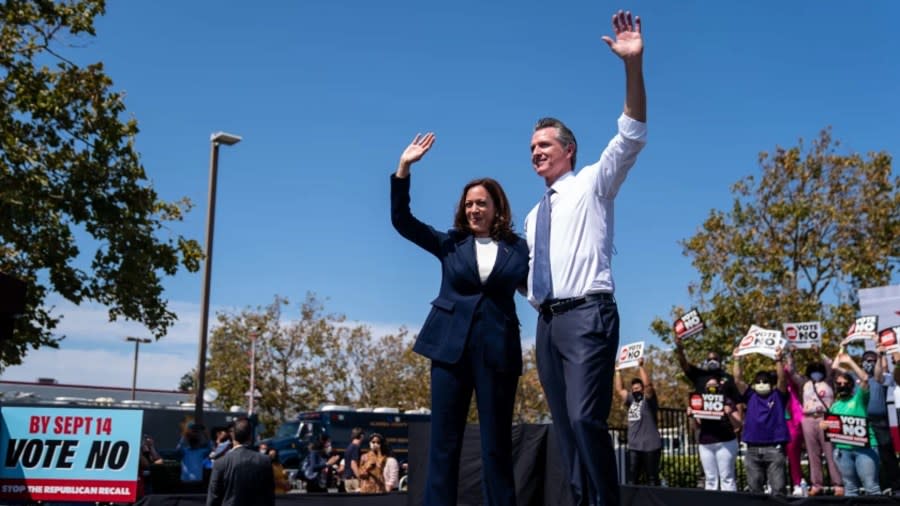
(327, 94)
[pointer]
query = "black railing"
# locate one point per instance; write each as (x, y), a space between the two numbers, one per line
(680, 462)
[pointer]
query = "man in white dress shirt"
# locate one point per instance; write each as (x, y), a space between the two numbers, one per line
(570, 246)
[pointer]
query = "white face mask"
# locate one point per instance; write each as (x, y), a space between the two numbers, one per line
(762, 388)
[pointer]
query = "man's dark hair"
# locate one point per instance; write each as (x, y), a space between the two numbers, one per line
(563, 134)
(636, 381)
(243, 431)
(357, 433)
(869, 354)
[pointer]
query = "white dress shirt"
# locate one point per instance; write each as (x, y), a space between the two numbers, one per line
(582, 218)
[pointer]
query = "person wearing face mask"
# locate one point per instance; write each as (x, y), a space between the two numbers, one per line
(765, 429)
(794, 417)
(874, 363)
(718, 444)
(644, 443)
(858, 465)
(711, 367)
(817, 397)
(332, 459)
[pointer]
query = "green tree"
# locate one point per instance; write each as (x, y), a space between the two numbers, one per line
(314, 359)
(530, 406)
(78, 215)
(800, 238)
(186, 383)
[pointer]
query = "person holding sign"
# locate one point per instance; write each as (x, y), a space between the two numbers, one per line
(817, 397)
(765, 429)
(858, 464)
(712, 367)
(644, 443)
(718, 437)
(875, 365)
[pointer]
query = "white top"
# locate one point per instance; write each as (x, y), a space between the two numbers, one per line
(486, 253)
(582, 218)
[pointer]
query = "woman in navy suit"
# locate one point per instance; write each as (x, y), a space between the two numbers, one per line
(471, 334)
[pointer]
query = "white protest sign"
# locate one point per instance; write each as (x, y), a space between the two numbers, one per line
(762, 341)
(689, 324)
(888, 339)
(629, 355)
(864, 328)
(803, 335)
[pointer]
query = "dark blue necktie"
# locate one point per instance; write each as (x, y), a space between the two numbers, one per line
(542, 283)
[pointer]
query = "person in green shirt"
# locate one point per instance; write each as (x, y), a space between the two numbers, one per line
(858, 465)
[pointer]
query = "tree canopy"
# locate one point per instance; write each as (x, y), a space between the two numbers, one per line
(78, 215)
(311, 357)
(801, 237)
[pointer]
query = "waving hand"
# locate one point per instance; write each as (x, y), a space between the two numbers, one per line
(414, 152)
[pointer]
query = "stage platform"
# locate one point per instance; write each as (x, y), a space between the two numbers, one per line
(539, 481)
(631, 496)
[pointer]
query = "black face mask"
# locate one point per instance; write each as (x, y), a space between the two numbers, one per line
(844, 390)
(638, 396)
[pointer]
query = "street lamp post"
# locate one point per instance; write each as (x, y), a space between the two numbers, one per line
(215, 140)
(137, 343)
(252, 390)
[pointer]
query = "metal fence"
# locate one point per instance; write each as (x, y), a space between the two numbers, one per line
(680, 462)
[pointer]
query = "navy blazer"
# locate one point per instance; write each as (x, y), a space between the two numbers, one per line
(465, 306)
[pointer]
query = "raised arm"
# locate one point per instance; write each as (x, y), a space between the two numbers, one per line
(791, 370)
(880, 365)
(629, 46)
(619, 386)
(738, 373)
(649, 391)
(781, 382)
(896, 357)
(844, 359)
(679, 355)
(401, 216)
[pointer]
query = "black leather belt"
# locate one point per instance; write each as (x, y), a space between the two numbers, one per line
(559, 306)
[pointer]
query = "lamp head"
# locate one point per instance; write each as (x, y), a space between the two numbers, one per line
(224, 138)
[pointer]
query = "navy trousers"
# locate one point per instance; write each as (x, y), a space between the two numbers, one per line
(576, 355)
(451, 394)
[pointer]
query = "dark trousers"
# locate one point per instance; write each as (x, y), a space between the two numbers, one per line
(890, 470)
(646, 463)
(451, 394)
(576, 353)
(765, 464)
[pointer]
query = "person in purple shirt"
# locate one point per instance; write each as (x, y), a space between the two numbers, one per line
(765, 428)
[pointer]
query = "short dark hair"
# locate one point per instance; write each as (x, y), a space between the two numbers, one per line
(243, 431)
(815, 367)
(502, 227)
(869, 354)
(764, 376)
(357, 433)
(563, 134)
(636, 381)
